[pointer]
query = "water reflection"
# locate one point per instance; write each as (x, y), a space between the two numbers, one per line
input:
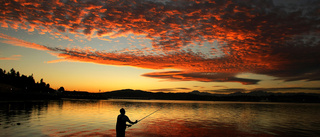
(13, 113)
(176, 118)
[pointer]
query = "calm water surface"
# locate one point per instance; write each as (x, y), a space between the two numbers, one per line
(175, 118)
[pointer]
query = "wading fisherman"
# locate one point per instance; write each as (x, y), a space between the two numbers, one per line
(121, 123)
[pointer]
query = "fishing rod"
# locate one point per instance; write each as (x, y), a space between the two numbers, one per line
(149, 114)
(146, 116)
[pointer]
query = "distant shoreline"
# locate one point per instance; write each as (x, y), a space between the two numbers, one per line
(14, 86)
(144, 95)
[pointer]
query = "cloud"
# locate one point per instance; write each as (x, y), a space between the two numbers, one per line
(171, 25)
(203, 77)
(289, 89)
(274, 90)
(262, 37)
(220, 86)
(13, 57)
(226, 91)
(169, 89)
(18, 42)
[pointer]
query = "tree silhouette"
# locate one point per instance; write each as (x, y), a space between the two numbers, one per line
(61, 89)
(13, 72)
(18, 74)
(23, 83)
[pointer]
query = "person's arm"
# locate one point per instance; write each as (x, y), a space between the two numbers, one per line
(131, 121)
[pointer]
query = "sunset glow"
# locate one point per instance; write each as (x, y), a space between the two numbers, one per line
(164, 46)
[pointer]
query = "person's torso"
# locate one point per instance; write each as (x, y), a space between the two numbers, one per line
(121, 121)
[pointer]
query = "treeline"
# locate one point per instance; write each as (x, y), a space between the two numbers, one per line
(22, 83)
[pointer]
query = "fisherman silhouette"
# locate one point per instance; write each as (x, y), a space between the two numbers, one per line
(121, 123)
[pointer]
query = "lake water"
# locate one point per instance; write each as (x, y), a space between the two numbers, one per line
(175, 118)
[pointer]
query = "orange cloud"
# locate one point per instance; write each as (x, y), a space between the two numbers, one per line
(257, 36)
(13, 57)
(200, 76)
(193, 66)
(170, 89)
(21, 43)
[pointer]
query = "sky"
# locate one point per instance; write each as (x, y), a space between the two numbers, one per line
(215, 46)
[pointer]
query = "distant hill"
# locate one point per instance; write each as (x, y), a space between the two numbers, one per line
(254, 96)
(139, 94)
